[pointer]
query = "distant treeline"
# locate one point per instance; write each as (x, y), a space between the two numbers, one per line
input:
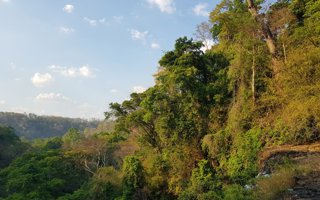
(30, 126)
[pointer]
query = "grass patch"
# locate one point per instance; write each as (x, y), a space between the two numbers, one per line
(276, 186)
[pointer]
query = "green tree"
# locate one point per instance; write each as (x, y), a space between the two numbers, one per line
(10, 145)
(41, 175)
(72, 136)
(133, 178)
(203, 184)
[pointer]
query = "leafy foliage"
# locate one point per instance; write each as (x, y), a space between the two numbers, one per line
(133, 179)
(10, 145)
(43, 175)
(202, 183)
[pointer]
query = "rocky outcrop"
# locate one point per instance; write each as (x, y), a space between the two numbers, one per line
(306, 184)
(280, 154)
(307, 187)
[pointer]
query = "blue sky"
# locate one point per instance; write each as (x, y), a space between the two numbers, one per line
(72, 58)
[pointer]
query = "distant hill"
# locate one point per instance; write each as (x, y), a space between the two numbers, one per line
(30, 126)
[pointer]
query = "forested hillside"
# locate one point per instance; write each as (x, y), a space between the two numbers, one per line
(201, 132)
(30, 126)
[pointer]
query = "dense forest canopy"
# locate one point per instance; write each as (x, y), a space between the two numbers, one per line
(30, 126)
(199, 131)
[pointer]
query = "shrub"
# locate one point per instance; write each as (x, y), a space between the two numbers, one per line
(237, 192)
(242, 164)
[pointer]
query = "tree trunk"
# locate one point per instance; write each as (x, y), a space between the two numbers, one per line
(284, 52)
(253, 86)
(270, 42)
(264, 26)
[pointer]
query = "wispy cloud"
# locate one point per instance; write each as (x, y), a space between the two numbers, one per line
(101, 21)
(68, 8)
(2, 102)
(40, 80)
(19, 109)
(117, 19)
(165, 6)
(92, 22)
(5, 1)
(89, 111)
(138, 35)
(13, 66)
(138, 89)
(201, 10)
(84, 71)
(95, 22)
(155, 45)
(114, 91)
(66, 30)
(53, 97)
(18, 79)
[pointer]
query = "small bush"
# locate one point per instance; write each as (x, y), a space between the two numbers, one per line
(233, 192)
(242, 163)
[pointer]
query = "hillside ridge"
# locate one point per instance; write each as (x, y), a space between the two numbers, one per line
(30, 126)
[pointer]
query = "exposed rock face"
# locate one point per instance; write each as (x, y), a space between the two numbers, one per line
(277, 155)
(306, 187)
(283, 157)
(307, 184)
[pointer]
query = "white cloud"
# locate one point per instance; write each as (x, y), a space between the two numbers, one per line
(138, 89)
(137, 35)
(5, 1)
(40, 80)
(155, 45)
(92, 22)
(96, 22)
(84, 71)
(66, 30)
(201, 10)
(55, 97)
(166, 6)
(68, 8)
(2, 102)
(207, 45)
